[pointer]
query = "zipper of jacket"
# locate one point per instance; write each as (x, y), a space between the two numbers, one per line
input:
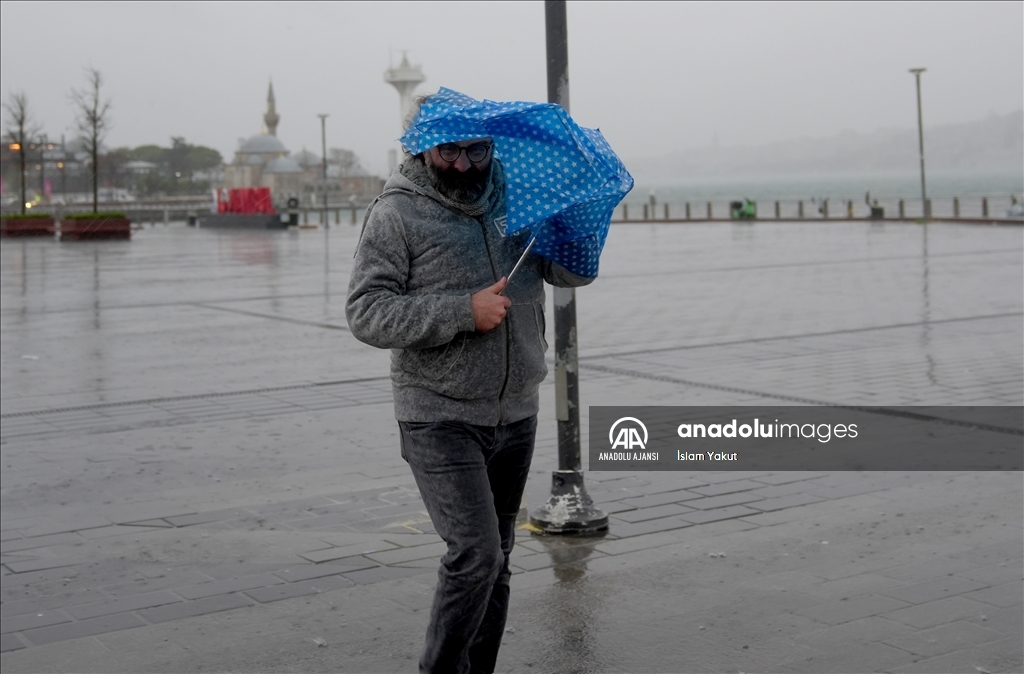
(504, 326)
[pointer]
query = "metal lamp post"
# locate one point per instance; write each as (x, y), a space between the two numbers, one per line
(323, 175)
(920, 141)
(569, 510)
(42, 168)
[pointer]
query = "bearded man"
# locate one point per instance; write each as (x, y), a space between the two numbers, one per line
(467, 359)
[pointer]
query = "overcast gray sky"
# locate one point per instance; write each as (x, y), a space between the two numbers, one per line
(654, 77)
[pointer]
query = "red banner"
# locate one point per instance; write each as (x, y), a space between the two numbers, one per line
(245, 200)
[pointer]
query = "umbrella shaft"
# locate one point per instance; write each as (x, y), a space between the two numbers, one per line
(519, 262)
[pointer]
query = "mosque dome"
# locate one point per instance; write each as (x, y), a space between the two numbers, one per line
(282, 165)
(262, 144)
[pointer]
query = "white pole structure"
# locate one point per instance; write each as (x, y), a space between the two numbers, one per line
(920, 141)
(405, 78)
(323, 175)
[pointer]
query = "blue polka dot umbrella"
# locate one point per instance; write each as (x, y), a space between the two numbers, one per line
(562, 180)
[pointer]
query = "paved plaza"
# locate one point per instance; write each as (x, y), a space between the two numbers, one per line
(200, 468)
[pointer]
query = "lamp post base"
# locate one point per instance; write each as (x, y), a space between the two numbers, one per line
(569, 510)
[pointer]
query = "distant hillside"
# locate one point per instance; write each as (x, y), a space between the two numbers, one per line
(992, 144)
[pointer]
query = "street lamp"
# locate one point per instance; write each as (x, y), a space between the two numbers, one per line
(323, 143)
(569, 509)
(42, 168)
(920, 141)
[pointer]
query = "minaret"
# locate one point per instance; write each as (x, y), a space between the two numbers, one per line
(404, 78)
(271, 118)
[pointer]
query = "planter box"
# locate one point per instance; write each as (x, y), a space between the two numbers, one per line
(27, 227)
(98, 228)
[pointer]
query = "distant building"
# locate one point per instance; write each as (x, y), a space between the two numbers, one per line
(264, 161)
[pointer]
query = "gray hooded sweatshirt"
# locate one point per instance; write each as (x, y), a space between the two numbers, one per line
(417, 263)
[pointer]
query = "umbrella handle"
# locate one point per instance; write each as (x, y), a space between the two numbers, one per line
(518, 263)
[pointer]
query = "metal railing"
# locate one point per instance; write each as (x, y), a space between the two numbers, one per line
(974, 207)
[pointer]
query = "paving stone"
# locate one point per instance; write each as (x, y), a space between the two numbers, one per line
(942, 639)
(789, 477)
(17, 545)
(613, 507)
(33, 565)
(121, 605)
(1005, 595)
(46, 603)
(861, 631)
(533, 562)
(644, 514)
(115, 530)
(997, 574)
(299, 572)
(869, 657)
(382, 573)
(187, 609)
(853, 586)
(204, 518)
(705, 516)
(675, 496)
(10, 642)
(938, 612)
(995, 656)
(930, 569)
(159, 578)
(431, 551)
(730, 487)
(931, 590)
(626, 530)
(82, 628)
(841, 611)
(634, 543)
(265, 595)
(783, 502)
(723, 501)
(28, 621)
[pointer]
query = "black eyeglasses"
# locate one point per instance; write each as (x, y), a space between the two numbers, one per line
(476, 152)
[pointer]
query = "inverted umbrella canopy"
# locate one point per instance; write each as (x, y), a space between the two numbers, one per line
(562, 180)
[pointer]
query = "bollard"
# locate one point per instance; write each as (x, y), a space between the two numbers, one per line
(645, 211)
(849, 208)
(337, 216)
(167, 215)
(902, 212)
(353, 215)
(824, 209)
(305, 216)
(956, 207)
(800, 209)
(687, 210)
(984, 207)
(625, 212)
(709, 210)
(666, 210)
(777, 211)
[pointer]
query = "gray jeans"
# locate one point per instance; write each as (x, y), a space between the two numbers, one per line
(471, 479)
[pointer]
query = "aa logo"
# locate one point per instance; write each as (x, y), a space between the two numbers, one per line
(628, 436)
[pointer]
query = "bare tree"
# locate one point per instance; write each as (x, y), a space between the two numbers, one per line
(19, 130)
(92, 116)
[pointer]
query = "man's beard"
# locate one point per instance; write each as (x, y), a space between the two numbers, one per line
(461, 186)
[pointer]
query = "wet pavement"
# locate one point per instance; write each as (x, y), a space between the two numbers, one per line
(200, 468)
